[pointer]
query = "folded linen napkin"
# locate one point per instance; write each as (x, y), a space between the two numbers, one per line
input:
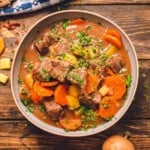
(23, 6)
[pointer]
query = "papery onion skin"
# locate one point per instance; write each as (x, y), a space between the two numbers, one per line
(117, 142)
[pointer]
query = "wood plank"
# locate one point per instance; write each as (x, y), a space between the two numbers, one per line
(110, 2)
(23, 135)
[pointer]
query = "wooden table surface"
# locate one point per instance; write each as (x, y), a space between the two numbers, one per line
(134, 18)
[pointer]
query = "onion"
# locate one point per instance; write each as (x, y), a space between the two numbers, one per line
(117, 142)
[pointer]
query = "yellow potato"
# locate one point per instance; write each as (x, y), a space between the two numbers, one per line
(28, 80)
(104, 90)
(73, 90)
(73, 102)
(111, 50)
(5, 63)
(3, 78)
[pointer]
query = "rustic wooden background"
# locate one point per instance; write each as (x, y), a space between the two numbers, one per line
(133, 16)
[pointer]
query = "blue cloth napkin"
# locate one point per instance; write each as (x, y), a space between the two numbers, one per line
(23, 6)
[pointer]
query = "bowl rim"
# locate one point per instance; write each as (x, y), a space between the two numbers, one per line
(115, 119)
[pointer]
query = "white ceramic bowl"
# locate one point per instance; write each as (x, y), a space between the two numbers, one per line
(30, 36)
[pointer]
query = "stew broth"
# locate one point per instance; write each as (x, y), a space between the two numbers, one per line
(88, 55)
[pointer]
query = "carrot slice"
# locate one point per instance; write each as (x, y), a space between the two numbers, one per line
(113, 32)
(78, 21)
(70, 121)
(53, 83)
(35, 98)
(42, 91)
(117, 84)
(113, 40)
(92, 83)
(109, 71)
(108, 107)
(60, 94)
(2, 45)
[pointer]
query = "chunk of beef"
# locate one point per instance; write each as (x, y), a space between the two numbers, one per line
(61, 47)
(41, 70)
(98, 66)
(95, 62)
(53, 109)
(115, 63)
(42, 46)
(91, 101)
(51, 68)
(60, 69)
(78, 76)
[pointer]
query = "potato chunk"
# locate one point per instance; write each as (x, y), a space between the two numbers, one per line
(5, 63)
(3, 78)
(104, 90)
(73, 102)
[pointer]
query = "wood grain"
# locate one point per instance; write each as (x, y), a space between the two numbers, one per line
(110, 2)
(23, 135)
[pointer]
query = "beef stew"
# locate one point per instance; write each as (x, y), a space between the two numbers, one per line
(75, 75)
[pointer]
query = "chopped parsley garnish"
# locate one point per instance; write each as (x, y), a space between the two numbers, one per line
(55, 32)
(24, 91)
(82, 63)
(84, 38)
(65, 24)
(128, 80)
(42, 108)
(103, 57)
(45, 74)
(20, 81)
(28, 65)
(29, 105)
(23, 59)
(88, 27)
(41, 58)
(88, 118)
(25, 101)
(77, 78)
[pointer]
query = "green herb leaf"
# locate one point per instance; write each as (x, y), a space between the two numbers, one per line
(84, 38)
(24, 91)
(103, 57)
(88, 118)
(65, 24)
(20, 81)
(88, 27)
(25, 101)
(28, 103)
(128, 80)
(45, 74)
(77, 78)
(42, 108)
(82, 63)
(23, 59)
